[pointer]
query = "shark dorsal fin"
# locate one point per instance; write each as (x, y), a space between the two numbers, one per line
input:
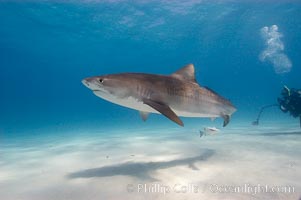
(186, 73)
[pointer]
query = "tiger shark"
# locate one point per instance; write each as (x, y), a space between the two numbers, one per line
(172, 95)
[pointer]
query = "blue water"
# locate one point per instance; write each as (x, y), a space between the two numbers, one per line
(48, 47)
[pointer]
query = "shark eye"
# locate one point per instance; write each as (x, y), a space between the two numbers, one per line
(101, 80)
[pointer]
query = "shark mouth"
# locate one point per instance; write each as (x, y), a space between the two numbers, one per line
(100, 92)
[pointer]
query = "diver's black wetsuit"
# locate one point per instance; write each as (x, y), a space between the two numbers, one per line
(291, 102)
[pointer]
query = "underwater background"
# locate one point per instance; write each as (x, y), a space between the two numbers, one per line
(52, 126)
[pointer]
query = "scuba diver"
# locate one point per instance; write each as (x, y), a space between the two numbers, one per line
(290, 101)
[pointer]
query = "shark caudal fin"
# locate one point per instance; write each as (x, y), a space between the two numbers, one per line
(226, 119)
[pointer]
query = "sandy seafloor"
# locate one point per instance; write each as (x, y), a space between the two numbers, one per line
(104, 164)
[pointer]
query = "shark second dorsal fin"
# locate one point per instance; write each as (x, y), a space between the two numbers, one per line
(185, 73)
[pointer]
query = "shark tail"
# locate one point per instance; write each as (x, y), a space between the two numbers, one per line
(226, 119)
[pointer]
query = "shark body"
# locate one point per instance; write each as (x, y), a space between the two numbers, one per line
(175, 95)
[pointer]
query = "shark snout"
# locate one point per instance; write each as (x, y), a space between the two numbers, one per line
(86, 82)
(92, 83)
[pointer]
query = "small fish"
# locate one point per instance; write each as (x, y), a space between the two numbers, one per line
(209, 131)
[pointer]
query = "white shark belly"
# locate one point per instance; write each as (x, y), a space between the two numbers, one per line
(129, 102)
(190, 114)
(136, 104)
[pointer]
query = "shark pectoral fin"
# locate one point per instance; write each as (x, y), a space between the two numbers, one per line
(226, 119)
(144, 115)
(164, 110)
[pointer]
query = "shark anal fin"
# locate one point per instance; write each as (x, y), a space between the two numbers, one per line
(164, 110)
(144, 115)
(226, 119)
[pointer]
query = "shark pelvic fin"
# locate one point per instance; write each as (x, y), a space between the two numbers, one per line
(226, 119)
(186, 73)
(164, 110)
(144, 115)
